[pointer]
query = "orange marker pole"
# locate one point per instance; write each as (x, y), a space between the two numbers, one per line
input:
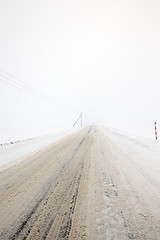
(155, 130)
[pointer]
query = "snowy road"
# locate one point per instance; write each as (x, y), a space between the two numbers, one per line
(86, 186)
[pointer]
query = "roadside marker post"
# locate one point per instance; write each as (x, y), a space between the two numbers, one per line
(155, 130)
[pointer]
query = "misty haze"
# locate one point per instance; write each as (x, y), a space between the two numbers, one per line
(80, 119)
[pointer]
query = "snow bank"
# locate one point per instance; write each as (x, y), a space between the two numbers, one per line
(14, 152)
(18, 134)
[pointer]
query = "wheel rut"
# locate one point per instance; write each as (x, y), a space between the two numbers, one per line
(50, 213)
(82, 187)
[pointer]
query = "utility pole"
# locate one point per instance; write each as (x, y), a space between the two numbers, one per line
(80, 117)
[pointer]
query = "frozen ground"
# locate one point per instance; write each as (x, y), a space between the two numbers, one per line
(143, 151)
(118, 171)
(15, 151)
(17, 144)
(10, 134)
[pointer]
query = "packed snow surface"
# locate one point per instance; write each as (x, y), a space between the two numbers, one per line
(144, 152)
(119, 171)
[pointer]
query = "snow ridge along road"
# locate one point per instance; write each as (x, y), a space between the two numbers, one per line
(82, 187)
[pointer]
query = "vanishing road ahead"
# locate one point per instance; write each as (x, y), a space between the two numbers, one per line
(81, 187)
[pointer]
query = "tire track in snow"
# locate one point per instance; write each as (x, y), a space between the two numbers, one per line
(28, 220)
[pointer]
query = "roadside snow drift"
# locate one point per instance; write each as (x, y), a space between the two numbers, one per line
(14, 152)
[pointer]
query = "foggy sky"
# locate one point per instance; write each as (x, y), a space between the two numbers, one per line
(99, 57)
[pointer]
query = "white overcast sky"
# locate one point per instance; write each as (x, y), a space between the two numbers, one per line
(101, 57)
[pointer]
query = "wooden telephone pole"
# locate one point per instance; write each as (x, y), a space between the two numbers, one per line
(80, 117)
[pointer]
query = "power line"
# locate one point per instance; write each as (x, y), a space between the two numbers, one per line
(22, 86)
(15, 82)
(12, 83)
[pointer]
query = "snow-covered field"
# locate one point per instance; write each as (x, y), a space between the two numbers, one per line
(8, 135)
(15, 151)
